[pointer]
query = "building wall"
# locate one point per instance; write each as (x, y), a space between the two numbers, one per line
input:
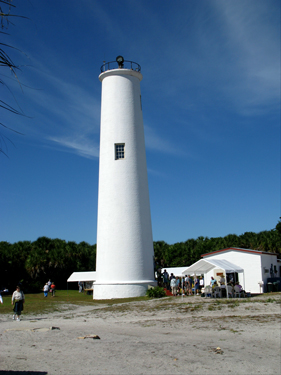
(213, 273)
(268, 261)
(250, 262)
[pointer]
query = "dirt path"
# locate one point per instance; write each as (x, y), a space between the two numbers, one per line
(165, 336)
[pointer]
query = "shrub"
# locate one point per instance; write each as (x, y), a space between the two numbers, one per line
(156, 292)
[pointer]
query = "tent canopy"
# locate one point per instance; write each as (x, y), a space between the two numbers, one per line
(205, 265)
(82, 276)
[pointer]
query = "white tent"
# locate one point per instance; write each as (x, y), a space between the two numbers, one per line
(205, 265)
(82, 276)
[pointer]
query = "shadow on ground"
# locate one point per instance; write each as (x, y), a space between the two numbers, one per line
(23, 372)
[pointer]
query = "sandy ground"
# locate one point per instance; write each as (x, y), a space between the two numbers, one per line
(160, 336)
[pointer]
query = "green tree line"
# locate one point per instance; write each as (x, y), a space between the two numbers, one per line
(34, 263)
(186, 253)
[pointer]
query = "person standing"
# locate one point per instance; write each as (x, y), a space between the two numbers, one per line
(159, 276)
(196, 285)
(80, 285)
(189, 285)
(166, 279)
(173, 284)
(53, 287)
(18, 300)
(213, 282)
(46, 290)
(201, 282)
(178, 285)
(186, 284)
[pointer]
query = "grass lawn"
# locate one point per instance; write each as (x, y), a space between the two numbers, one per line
(38, 304)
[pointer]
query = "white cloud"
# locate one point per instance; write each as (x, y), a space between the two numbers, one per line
(81, 146)
(157, 143)
(64, 112)
(254, 42)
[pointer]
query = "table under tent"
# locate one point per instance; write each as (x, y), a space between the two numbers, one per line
(204, 266)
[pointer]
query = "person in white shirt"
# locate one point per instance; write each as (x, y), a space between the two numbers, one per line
(173, 284)
(18, 301)
(46, 290)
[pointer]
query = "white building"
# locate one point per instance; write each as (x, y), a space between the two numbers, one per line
(251, 268)
(125, 265)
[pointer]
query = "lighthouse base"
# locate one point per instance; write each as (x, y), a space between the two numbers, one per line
(121, 290)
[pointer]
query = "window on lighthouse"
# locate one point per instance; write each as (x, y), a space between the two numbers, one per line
(119, 151)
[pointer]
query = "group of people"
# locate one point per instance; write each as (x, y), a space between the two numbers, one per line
(188, 285)
(236, 287)
(49, 287)
(18, 298)
(182, 285)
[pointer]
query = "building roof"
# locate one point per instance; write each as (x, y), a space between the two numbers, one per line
(82, 276)
(258, 252)
(205, 265)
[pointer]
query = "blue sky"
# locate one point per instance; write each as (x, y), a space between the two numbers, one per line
(211, 107)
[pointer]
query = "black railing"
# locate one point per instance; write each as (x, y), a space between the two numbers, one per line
(126, 64)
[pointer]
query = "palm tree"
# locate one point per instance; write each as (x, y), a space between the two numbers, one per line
(7, 63)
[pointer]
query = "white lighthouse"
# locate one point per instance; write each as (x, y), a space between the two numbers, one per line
(124, 266)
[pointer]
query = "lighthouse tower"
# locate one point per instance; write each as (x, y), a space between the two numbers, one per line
(124, 266)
